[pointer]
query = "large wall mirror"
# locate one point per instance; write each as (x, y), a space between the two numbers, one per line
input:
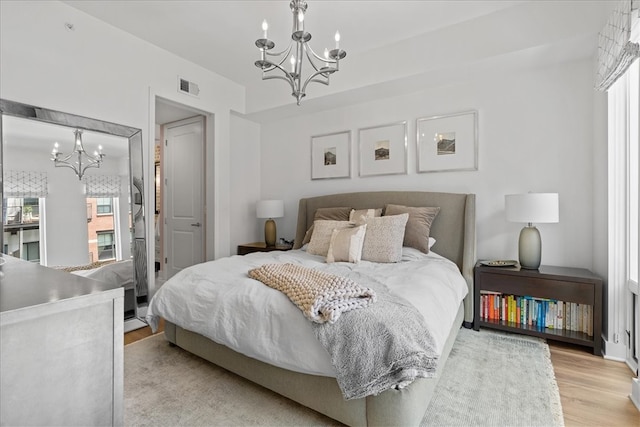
(90, 224)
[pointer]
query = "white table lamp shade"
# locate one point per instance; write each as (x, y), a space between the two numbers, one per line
(532, 207)
(270, 209)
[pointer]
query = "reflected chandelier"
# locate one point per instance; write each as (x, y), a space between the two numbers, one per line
(78, 159)
(298, 47)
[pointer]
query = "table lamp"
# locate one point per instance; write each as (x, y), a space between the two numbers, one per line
(530, 208)
(270, 209)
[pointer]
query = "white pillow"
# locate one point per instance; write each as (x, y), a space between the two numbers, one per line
(346, 244)
(321, 237)
(360, 215)
(384, 237)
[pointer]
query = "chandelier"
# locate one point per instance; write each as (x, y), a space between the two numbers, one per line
(78, 159)
(298, 48)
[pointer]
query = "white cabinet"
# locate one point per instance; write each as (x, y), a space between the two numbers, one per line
(61, 348)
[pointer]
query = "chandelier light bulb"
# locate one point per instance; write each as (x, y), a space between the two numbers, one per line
(300, 16)
(337, 38)
(265, 27)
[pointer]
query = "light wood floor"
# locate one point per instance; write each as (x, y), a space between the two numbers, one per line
(594, 391)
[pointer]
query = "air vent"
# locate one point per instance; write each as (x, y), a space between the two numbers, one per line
(185, 86)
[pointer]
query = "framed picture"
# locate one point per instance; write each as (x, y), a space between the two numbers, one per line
(383, 149)
(330, 155)
(448, 143)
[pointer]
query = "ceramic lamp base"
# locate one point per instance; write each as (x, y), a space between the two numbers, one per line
(270, 232)
(530, 248)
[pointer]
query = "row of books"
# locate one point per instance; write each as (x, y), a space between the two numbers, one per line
(536, 312)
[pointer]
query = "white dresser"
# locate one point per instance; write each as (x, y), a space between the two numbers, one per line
(61, 347)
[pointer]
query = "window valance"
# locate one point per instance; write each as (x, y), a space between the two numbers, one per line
(616, 51)
(102, 185)
(25, 184)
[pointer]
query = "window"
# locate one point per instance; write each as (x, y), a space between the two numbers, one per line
(104, 205)
(624, 122)
(22, 228)
(633, 182)
(106, 245)
(31, 251)
(101, 220)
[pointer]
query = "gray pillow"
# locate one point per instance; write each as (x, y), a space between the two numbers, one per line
(418, 226)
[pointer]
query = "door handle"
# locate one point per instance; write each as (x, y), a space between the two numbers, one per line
(197, 224)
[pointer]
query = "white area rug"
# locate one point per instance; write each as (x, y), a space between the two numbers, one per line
(496, 379)
(490, 379)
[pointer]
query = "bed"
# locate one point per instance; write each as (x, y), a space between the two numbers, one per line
(454, 232)
(117, 272)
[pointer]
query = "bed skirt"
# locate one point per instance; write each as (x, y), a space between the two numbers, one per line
(405, 407)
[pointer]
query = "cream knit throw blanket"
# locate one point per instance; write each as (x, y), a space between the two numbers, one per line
(322, 297)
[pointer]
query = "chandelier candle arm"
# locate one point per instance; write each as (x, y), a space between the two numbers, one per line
(321, 70)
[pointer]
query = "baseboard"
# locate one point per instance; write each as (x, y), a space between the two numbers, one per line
(613, 351)
(635, 392)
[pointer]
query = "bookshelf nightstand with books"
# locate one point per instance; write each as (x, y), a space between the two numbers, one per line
(558, 303)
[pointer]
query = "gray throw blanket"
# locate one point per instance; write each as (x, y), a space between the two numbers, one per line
(386, 345)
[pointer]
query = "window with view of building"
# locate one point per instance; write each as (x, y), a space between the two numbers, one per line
(101, 228)
(104, 205)
(106, 245)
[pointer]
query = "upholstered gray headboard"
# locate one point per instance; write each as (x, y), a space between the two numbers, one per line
(454, 228)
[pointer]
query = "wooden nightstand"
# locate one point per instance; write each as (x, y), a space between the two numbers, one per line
(248, 248)
(574, 289)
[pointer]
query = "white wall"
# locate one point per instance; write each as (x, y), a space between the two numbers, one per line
(101, 72)
(535, 134)
(245, 182)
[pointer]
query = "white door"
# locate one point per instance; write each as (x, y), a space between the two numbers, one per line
(184, 188)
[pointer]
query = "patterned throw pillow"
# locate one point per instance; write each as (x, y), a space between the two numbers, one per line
(384, 237)
(346, 244)
(321, 236)
(418, 225)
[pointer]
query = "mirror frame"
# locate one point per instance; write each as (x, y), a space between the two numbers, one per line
(136, 178)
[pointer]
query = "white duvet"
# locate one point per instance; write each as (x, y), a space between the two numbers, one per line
(219, 300)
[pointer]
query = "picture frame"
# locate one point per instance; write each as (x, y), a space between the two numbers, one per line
(383, 149)
(447, 142)
(331, 155)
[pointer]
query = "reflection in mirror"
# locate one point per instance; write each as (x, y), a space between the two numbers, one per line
(92, 226)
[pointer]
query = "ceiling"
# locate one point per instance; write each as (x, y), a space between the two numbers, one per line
(393, 47)
(39, 137)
